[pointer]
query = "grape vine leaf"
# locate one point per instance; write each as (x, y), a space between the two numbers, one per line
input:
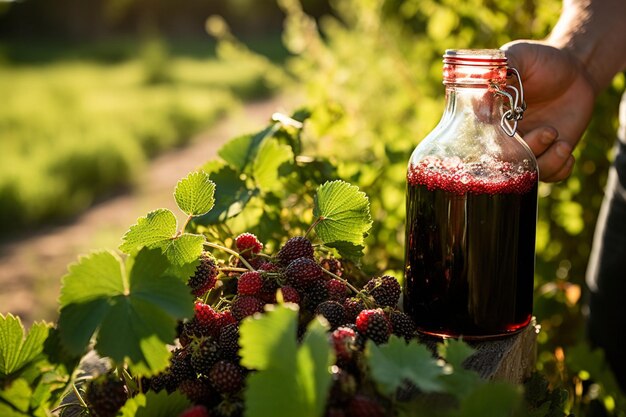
(17, 350)
(155, 405)
(271, 155)
(343, 213)
(195, 193)
(133, 308)
(238, 152)
(289, 380)
(396, 362)
(348, 250)
(459, 381)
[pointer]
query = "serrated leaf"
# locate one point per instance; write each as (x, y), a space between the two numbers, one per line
(271, 155)
(183, 250)
(344, 213)
(238, 152)
(455, 352)
(195, 193)
(17, 349)
(231, 196)
(150, 231)
(495, 399)
(136, 321)
(288, 381)
(460, 382)
(397, 361)
(155, 405)
(348, 250)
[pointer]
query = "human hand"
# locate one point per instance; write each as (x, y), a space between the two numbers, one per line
(560, 95)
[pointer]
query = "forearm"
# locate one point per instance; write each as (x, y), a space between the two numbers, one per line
(595, 32)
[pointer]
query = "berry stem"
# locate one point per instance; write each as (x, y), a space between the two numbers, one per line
(232, 252)
(233, 269)
(182, 229)
(315, 223)
(80, 397)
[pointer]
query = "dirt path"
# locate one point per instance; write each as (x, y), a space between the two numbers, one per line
(31, 268)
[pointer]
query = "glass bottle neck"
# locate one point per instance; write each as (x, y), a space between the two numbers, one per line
(480, 103)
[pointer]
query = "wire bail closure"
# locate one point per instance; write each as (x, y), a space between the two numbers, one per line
(515, 113)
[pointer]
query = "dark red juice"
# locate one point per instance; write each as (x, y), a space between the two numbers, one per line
(470, 248)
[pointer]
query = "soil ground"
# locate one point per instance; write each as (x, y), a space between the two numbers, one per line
(31, 266)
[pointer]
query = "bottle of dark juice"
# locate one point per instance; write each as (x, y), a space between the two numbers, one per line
(472, 207)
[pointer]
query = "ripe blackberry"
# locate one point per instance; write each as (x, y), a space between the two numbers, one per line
(353, 306)
(105, 395)
(343, 340)
(205, 354)
(332, 311)
(159, 382)
(303, 272)
(246, 306)
(268, 290)
(385, 290)
(337, 290)
(248, 244)
(269, 267)
(249, 283)
(229, 341)
(197, 390)
(294, 248)
(401, 324)
(180, 366)
(224, 319)
(332, 265)
(374, 325)
(290, 295)
(195, 411)
(205, 276)
(315, 294)
(363, 406)
(226, 377)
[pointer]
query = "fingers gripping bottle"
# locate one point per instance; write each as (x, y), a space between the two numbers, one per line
(472, 207)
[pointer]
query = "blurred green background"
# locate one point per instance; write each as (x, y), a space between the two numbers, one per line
(91, 90)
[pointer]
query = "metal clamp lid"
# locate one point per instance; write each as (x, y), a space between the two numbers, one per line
(515, 113)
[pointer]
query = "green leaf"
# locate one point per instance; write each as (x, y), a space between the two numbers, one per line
(231, 196)
(288, 381)
(156, 405)
(194, 194)
(455, 352)
(348, 250)
(18, 394)
(134, 319)
(495, 399)
(183, 250)
(17, 349)
(343, 212)
(270, 157)
(460, 381)
(397, 361)
(238, 152)
(150, 231)
(314, 360)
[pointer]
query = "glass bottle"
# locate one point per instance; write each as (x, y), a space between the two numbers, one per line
(472, 207)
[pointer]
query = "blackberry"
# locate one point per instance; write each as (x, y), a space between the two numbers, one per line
(353, 306)
(290, 295)
(303, 272)
(205, 354)
(248, 244)
(105, 395)
(195, 411)
(385, 290)
(160, 382)
(343, 341)
(315, 294)
(226, 377)
(205, 320)
(401, 324)
(294, 248)
(268, 290)
(246, 306)
(229, 341)
(337, 290)
(249, 283)
(180, 366)
(205, 276)
(197, 390)
(374, 325)
(332, 311)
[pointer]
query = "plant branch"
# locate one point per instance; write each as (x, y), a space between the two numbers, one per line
(232, 252)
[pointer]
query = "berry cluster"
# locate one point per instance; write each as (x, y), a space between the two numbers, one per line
(205, 365)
